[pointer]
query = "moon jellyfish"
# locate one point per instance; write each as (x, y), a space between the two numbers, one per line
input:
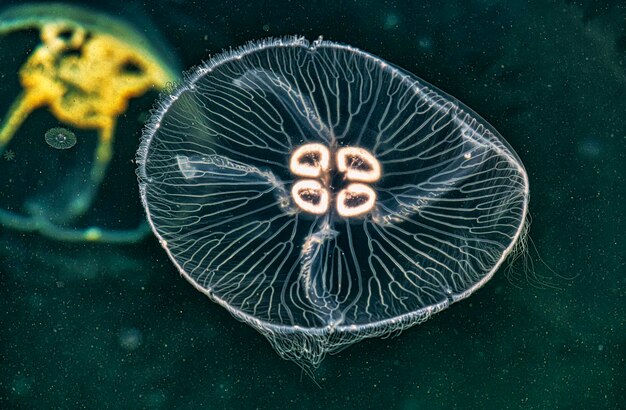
(323, 195)
(60, 138)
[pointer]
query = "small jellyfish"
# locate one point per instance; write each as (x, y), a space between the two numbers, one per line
(60, 138)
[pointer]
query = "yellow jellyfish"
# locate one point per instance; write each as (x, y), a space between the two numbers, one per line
(84, 72)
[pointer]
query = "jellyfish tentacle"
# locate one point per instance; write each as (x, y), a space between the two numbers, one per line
(316, 275)
(104, 151)
(84, 197)
(20, 109)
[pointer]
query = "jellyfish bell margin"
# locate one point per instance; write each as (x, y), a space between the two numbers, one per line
(323, 196)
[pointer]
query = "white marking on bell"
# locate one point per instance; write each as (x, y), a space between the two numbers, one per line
(185, 167)
(353, 173)
(306, 188)
(352, 192)
(299, 167)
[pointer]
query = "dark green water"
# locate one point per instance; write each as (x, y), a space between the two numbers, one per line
(114, 326)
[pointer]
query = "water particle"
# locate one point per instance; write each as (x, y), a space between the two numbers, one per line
(9, 155)
(590, 148)
(391, 21)
(425, 43)
(130, 339)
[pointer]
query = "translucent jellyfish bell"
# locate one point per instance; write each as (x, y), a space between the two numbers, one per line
(323, 196)
(60, 138)
(85, 70)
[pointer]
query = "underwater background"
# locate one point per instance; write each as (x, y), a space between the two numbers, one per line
(95, 325)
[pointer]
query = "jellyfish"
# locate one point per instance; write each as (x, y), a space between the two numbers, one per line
(84, 72)
(60, 138)
(322, 195)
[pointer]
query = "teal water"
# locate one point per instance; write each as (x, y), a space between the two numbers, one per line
(115, 326)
